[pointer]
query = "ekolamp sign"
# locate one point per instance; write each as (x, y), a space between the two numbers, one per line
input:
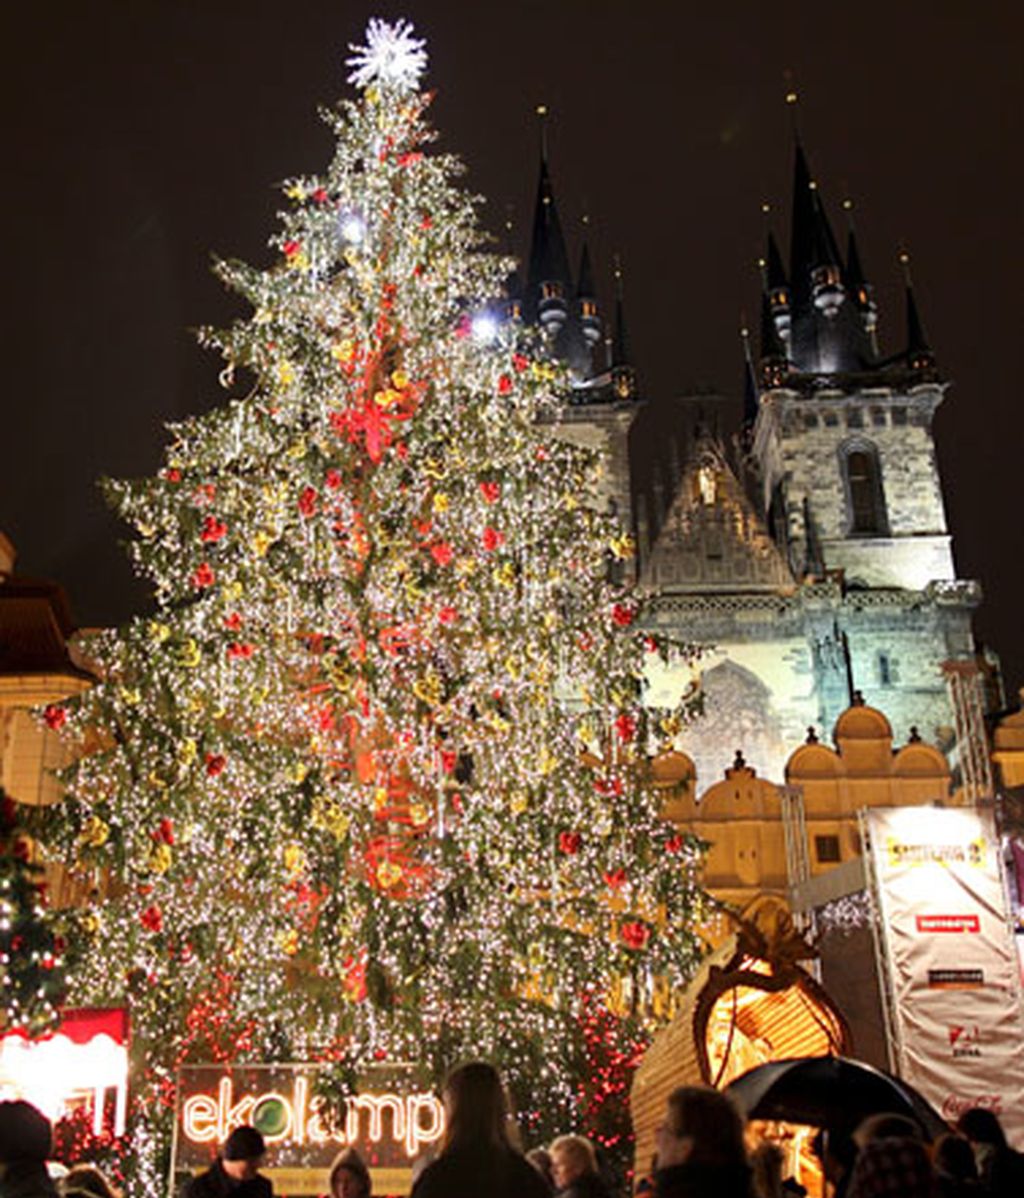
(391, 1123)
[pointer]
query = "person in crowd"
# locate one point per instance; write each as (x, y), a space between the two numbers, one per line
(955, 1170)
(1000, 1168)
(540, 1158)
(86, 1181)
(892, 1161)
(26, 1141)
(349, 1176)
(887, 1126)
(701, 1153)
(236, 1172)
(835, 1149)
(574, 1168)
(766, 1163)
(478, 1154)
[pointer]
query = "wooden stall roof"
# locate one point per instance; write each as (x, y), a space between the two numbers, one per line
(750, 1001)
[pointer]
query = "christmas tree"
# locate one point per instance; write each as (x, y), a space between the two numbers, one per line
(32, 977)
(369, 783)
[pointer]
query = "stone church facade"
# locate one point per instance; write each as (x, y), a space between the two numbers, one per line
(805, 548)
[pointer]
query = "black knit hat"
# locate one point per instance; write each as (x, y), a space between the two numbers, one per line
(244, 1144)
(24, 1133)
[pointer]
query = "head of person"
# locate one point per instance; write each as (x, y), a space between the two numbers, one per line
(835, 1148)
(476, 1108)
(981, 1126)
(540, 1158)
(572, 1157)
(86, 1181)
(350, 1177)
(766, 1162)
(954, 1157)
(25, 1134)
(244, 1151)
(886, 1126)
(701, 1126)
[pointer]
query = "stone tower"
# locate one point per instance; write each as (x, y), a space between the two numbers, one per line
(843, 443)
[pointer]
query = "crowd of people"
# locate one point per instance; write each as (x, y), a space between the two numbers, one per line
(703, 1151)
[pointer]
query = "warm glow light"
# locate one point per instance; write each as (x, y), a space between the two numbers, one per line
(415, 1120)
(55, 1074)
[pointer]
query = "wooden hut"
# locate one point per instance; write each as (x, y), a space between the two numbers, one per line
(750, 1002)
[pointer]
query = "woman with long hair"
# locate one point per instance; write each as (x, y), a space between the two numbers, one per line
(478, 1153)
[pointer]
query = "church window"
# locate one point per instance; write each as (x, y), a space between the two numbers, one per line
(550, 291)
(588, 308)
(855, 418)
(826, 849)
(831, 419)
(865, 500)
(878, 417)
(811, 420)
(888, 670)
(899, 416)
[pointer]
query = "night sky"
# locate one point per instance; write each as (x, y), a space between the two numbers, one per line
(144, 136)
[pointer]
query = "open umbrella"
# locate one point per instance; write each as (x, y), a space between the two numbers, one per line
(829, 1092)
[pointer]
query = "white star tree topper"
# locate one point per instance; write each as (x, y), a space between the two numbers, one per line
(391, 56)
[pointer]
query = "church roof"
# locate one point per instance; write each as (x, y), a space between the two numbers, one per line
(711, 538)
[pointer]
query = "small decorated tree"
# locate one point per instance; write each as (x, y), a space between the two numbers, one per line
(369, 783)
(32, 980)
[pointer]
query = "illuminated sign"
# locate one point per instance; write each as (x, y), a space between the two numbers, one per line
(78, 1066)
(389, 1122)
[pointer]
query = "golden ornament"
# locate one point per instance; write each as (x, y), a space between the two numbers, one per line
(294, 859)
(159, 860)
(389, 873)
(94, 832)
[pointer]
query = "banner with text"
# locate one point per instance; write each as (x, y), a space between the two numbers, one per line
(951, 959)
(389, 1122)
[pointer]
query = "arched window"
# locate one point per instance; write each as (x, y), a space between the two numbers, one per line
(864, 496)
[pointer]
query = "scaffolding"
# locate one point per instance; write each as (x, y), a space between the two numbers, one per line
(966, 696)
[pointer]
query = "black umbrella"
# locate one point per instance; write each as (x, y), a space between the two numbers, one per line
(829, 1092)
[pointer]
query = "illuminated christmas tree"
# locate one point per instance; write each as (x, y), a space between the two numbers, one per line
(369, 784)
(32, 977)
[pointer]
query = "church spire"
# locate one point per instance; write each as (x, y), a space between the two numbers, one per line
(776, 285)
(919, 353)
(773, 363)
(623, 375)
(830, 327)
(548, 281)
(858, 288)
(586, 295)
(751, 396)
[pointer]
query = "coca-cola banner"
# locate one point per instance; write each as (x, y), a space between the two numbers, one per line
(951, 961)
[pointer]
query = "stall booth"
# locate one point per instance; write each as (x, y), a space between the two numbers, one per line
(752, 1001)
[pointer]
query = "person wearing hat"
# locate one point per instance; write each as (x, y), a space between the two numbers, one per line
(26, 1142)
(235, 1173)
